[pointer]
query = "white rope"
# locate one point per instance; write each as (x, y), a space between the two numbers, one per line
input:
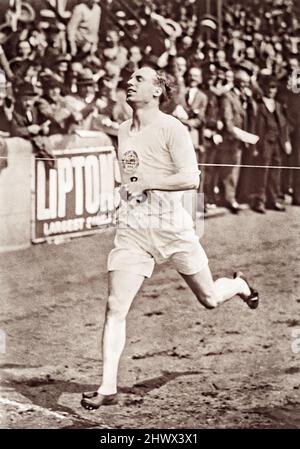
(37, 158)
(278, 167)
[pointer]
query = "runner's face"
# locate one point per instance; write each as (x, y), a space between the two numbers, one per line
(141, 86)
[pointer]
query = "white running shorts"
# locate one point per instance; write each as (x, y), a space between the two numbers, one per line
(137, 250)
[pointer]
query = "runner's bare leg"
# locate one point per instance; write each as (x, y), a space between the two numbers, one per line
(123, 287)
(212, 293)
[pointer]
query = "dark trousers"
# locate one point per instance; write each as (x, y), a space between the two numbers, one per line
(295, 161)
(228, 154)
(286, 175)
(246, 183)
(200, 204)
(268, 179)
(210, 174)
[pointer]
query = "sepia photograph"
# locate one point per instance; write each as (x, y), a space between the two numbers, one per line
(149, 217)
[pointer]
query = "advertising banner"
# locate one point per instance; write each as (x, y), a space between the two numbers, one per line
(75, 197)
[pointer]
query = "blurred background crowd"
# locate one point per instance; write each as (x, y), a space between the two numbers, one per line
(235, 65)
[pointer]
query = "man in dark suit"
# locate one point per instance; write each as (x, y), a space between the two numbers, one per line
(272, 129)
(212, 140)
(191, 111)
(52, 107)
(293, 116)
(195, 104)
(233, 115)
(26, 121)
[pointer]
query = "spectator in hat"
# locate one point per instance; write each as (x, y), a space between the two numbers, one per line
(237, 47)
(221, 58)
(24, 50)
(6, 110)
(4, 64)
(60, 67)
(271, 127)
(233, 115)
(56, 39)
(186, 47)
(26, 121)
(211, 139)
(53, 107)
(39, 41)
(114, 51)
(177, 67)
(288, 95)
(194, 105)
(83, 27)
(156, 32)
(31, 71)
(108, 96)
(250, 53)
(246, 175)
(86, 102)
(25, 69)
(104, 118)
(17, 67)
(76, 67)
(198, 56)
(6, 34)
(293, 116)
(224, 79)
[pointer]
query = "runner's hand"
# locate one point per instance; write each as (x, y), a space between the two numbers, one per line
(135, 188)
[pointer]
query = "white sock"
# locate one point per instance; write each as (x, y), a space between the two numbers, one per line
(243, 287)
(105, 391)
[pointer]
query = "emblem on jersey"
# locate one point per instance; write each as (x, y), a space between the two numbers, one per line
(130, 162)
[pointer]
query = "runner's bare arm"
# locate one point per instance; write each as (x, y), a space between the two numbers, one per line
(178, 182)
(184, 162)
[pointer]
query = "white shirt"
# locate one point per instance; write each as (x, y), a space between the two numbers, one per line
(192, 94)
(270, 104)
(84, 24)
(161, 149)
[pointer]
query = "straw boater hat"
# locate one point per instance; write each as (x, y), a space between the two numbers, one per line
(209, 21)
(171, 28)
(86, 78)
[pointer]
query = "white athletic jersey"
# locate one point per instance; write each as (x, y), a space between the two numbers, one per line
(160, 149)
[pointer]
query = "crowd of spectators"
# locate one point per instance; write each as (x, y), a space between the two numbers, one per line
(65, 65)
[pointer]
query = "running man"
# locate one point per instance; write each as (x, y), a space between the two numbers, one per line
(158, 162)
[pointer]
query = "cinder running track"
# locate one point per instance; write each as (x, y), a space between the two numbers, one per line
(183, 366)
